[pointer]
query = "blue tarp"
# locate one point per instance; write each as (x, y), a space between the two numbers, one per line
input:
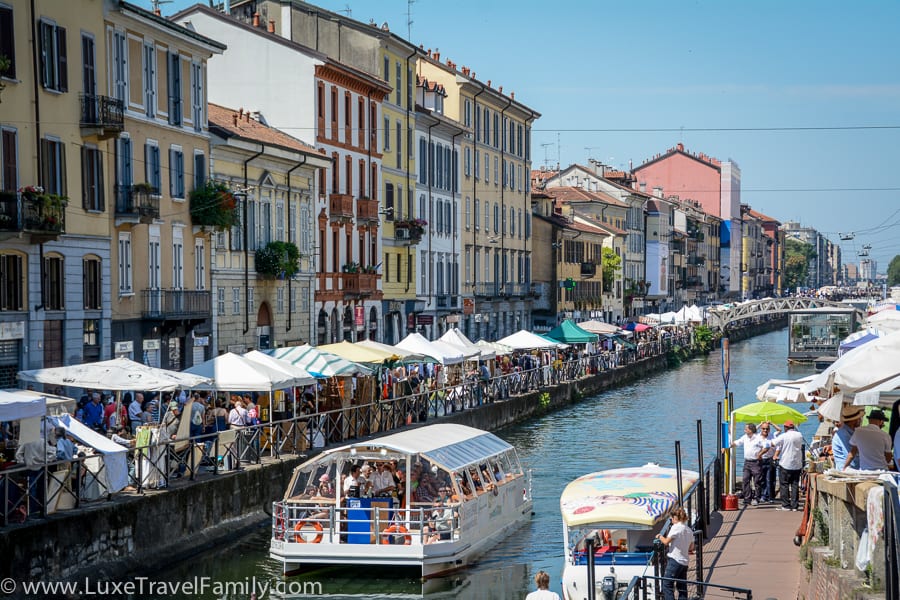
(846, 346)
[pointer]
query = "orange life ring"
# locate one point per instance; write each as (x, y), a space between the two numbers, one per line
(400, 529)
(299, 527)
(606, 536)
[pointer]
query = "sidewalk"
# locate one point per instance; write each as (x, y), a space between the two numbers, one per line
(754, 548)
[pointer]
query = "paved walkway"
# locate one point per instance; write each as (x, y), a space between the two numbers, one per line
(754, 548)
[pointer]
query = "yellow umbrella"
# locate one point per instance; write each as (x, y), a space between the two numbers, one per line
(359, 354)
(757, 412)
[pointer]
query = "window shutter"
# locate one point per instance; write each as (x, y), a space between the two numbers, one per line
(45, 171)
(10, 182)
(101, 195)
(62, 62)
(172, 174)
(86, 177)
(63, 187)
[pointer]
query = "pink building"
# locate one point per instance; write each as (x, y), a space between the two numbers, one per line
(715, 184)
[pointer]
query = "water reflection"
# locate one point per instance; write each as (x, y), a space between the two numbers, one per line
(632, 425)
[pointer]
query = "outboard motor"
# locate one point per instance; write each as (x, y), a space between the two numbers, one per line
(608, 587)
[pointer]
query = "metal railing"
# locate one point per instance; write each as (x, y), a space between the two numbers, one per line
(891, 540)
(102, 111)
(647, 587)
(139, 201)
(176, 304)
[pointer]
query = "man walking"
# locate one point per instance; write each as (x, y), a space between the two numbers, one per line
(789, 456)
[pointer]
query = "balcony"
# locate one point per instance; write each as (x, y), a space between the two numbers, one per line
(360, 284)
(139, 202)
(696, 260)
(366, 210)
(101, 116)
(693, 282)
(41, 215)
(340, 207)
(487, 289)
(410, 231)
(168, 305)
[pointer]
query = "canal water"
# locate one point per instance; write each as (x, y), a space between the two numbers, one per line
(628, 426)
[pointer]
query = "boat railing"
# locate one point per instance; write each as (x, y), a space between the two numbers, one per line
(647, 587)
(312, 522)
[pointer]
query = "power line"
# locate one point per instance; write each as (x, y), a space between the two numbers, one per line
(723, 129)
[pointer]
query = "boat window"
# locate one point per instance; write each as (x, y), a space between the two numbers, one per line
(428, 479)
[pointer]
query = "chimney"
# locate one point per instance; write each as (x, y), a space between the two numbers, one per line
(241, 113)
(489, 83)
(512, 95)
(271, 28)
(437, 56)
(157, 12)
(500, 89)
(234, 119)
(256, 19)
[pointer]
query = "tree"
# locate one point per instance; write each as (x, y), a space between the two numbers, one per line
(612, 264)
(893, 272)
(797, 256)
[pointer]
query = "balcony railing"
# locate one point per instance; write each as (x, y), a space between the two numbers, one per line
(518, 289)
(103, 115)
(361, 284)
(487, 289)
(340, 206)
(366, 210)
(137, 201)
(10, 212)
(40, 214)
(176, 304)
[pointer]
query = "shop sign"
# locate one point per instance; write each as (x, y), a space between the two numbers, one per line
(201, 341)
(124, 347)
(12, 330)
(453, 318)
(425, 319)
(151, 345)
(410, 321)
(395, 306)
(468, 306)
(359, 315)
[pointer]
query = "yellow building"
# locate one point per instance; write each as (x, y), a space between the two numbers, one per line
(161, 314)
(54, 233)
(261, 301)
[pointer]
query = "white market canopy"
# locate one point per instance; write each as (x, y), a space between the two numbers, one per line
(862, 367)
(115, 374)
(14, 407)
(599, 327)
(232, 373)
(301, 376)
(456, 338)
(405, 355)
(499, 349)
(115, 457)
(319, 364)
(525, 340)
(444, 353)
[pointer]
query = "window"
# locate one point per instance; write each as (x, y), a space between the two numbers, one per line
(178, 257)
(409, 89)
(54, 283)
(7, 41)
(91, 285)
(496, 130)
(120, 66)
(53, 167)
(439, 225)
(399, 144)
(477, 125)
(149, 79)
(199, 264)
(9, 159)
(176, 172)
(235, 301)
(487, 215)
(468, 212)
(467, 161)
(54, 68)
(92, 179)
(123, 174)
(12, 282)
(174, 86)
(398, 87)
(496, 170)
(497, 217)
(387, 68)
(387, 134)
(279, 221)
(423, 161)
(487, 168)
(125, 283)
(512, 221)
(154, 251)
(467, 113)
(198, 101)
(477, 215)
(88, 71)
(437, 168)
(251, 302)
(199, 169)
(477, 165)
(486, 134)
(220, 301)
(389, 201)
(152, 166)
(279, 300)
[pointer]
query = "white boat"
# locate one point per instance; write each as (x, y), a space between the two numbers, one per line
(487, 495)
(622, 510)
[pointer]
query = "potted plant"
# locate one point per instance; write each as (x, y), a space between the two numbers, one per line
(350, 267)
(278, 260)
(5, 63)
(214, 205)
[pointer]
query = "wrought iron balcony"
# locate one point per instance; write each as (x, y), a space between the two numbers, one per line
(487, 289)
(10, 212)
(176, 304)
(137, 201)
(102, 116)
(42, 215)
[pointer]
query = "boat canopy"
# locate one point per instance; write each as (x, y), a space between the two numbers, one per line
(450, 446)
(630, 498)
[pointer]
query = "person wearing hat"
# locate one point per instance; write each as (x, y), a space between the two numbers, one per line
(789, 457)
(872, 444)
(851, 416)
(171, 420)
(325, 488)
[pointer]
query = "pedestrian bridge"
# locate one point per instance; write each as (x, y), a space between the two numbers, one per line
(720, 317)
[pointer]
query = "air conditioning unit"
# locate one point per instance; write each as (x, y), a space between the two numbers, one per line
(402, 233)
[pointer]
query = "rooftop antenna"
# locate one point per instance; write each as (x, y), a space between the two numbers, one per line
(156, 3)
(589, 149)
(409, 19)
(546, 160)
(347, 10)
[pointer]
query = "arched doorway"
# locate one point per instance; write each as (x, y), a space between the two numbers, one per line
(264, 327)
(349, 323)
(322, 328)
(335, 325)
(373, 324)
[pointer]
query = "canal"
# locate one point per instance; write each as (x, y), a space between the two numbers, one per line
(628, 426)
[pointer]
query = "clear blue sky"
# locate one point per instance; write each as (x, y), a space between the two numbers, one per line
(622, 81)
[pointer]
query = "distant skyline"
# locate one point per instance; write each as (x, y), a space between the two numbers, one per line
(804, 96)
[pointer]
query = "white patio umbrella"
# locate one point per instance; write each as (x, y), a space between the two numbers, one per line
(499, 349)
(525, 340)
(116, 374)
(444, 353)
(232, 373)
(862, 367)
(301, 376)
(405, 355)
(456, 338)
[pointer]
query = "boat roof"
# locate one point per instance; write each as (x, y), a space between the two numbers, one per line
(449, 445)
(631, 498)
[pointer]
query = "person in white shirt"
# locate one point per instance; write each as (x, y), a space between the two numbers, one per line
(789, 456)
(542, 581)
(768, 465)
(872, 444)
(351, 483)
(383, 480)
(136, 412)
(754, 447)
(680, 542)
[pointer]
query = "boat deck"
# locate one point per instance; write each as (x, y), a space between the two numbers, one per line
(754, 548)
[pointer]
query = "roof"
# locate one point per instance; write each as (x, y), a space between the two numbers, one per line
(633, 497)
(584, 224)
(451, 446)
(576, 194)
(175, 27)
(229, 122)
(762, 217)
(700, 157)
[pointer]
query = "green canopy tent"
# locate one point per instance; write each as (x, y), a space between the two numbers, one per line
(570, 333)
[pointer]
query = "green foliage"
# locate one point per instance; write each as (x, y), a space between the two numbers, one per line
(822, 532)
(677, 355)
(5, 63)
(544, 400)
(797, 256)
(893, 271)
(278, 259)
(704, 337)
(611, 264)
(214, 205)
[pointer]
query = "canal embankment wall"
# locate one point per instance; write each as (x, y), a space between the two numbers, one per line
(139, 534)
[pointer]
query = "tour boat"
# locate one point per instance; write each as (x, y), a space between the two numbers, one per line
(621, 510)
(486, 495)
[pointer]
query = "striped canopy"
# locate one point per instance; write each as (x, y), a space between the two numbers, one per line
(319, 364)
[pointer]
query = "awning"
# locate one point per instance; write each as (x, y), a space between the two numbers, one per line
(570, 333)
